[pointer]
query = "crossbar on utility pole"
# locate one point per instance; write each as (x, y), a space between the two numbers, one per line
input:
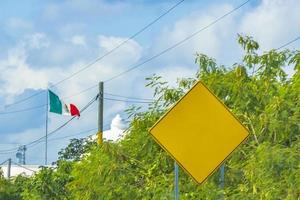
(100, 114)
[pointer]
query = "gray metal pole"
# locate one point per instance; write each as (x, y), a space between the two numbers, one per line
(46, 139)
(176, 181)
(100, 113)
(8, 168)
(222, 179)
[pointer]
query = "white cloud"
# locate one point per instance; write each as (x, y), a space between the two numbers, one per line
(51, 12)
(78, 40)
(39, 78)
(210, 41)
(18, 23)
(96, 7)
(129, 52)
(172, 73)
(26, 136)
(18, 74)
(37, 41)
(273, 22)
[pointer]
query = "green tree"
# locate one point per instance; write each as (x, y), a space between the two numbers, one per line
(260, 94)
(257, 90)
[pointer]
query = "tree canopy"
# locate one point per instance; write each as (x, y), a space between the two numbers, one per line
(257, 90)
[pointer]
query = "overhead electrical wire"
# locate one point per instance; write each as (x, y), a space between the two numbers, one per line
(76, 134)
(22, 166)
(165, 50)
(34, 142)
(161, 53)
(107, 53)
(177, 43)
(23, 110)
(128, 97)
(146, 101)
(26, 98)
(63, 125)
(9, 152)
(128, 101)
(3, 162)
(288, 43)
(122, 43)
(148, 60)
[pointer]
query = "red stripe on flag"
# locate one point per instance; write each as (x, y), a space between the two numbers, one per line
(74, 110)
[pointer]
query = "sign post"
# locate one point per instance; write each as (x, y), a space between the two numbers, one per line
(222, 179)
(176, 181)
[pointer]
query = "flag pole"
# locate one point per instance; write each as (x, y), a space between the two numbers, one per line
(46, 138)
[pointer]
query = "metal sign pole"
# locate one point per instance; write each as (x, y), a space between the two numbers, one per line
(222, 179)
(176, 181)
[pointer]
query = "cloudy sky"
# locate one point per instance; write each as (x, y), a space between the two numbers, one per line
(43, 42)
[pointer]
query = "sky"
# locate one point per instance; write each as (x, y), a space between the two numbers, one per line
(43, 42)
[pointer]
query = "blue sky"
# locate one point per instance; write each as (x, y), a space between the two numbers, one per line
(43, 42)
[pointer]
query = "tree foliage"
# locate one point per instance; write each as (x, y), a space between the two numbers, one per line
(257, 90)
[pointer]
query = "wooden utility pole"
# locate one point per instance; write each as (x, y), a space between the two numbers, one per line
(100, 114)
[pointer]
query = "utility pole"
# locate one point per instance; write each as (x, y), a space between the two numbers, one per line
(46, 138)
(8, 168)
(100, 113)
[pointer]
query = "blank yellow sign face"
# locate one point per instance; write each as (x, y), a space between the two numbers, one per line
(199, 132)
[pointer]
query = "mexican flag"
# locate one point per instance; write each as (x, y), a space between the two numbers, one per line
(59, 107)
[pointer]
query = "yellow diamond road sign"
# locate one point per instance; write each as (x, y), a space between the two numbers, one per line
(199, 132)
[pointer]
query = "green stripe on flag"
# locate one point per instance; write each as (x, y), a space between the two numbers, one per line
(55, 103)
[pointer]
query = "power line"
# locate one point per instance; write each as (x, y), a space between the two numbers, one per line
(81, 92)
(178, 43)
(34, 142)
(3, 162)
(76, 134)
(161, 53)
(25, 99)
(122, 43)
(11, 143)
(128, 101)
(23, 167)
(63, 125)
(166, 50)
(107, 53)
(288, 43)
(127, 97)
(9, 152)
(112, 99)
(23, 110)
(80, 133)
(94, 86)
